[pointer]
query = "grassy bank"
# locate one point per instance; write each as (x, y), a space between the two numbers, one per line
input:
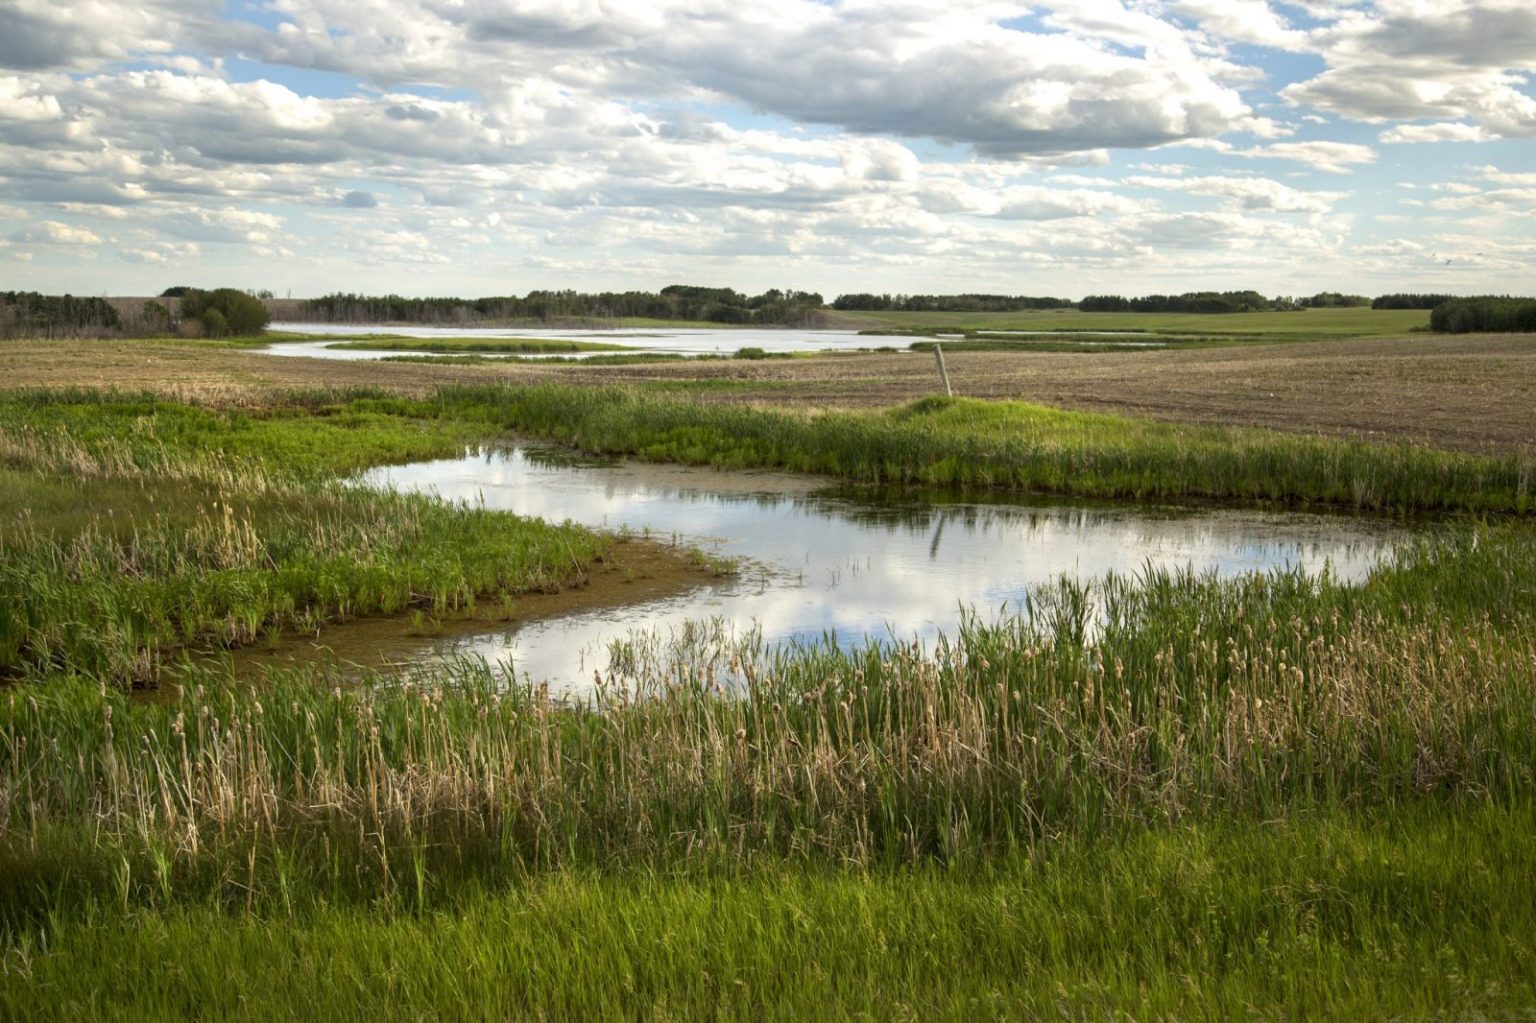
(131, 527)
(1193, 698)
(1408, 915)
(1006, 445)
(1268, 795)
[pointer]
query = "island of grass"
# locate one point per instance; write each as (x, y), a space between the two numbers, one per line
(454, 345)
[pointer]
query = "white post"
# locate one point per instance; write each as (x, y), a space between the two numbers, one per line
(938, 355)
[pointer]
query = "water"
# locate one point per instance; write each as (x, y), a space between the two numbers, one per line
(682, 341)
(817, 561)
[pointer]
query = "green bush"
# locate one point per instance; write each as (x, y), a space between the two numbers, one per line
(224, 311)
(1491, 313)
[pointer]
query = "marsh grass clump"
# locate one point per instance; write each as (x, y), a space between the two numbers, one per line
(1192, 699)
(130, 528)
(962, 443)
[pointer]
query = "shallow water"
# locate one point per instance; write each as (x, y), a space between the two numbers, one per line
(683, 341)
(817, 561)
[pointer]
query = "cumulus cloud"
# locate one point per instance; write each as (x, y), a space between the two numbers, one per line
(923, 138)
(1334, 157)
(1448, 61)
(1444, 131)
(1245, 193)
(43, 34)
(1243, 21)
(950, 71)
(52, 232)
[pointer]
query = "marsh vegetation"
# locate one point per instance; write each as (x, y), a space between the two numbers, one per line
(1269, 792)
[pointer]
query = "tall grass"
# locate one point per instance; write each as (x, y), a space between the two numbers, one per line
(131, 527)
(1196, 699)
(1402, 915)
(1007, 445)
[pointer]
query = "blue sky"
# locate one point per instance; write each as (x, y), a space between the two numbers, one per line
(496, 146)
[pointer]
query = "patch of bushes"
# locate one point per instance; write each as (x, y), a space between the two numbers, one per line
(1488, 313)
(224, 311)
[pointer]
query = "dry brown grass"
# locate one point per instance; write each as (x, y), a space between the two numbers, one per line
(1469, 393)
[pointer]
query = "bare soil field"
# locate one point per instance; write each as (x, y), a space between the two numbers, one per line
(1468, 392)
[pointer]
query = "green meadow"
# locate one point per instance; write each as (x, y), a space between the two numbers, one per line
(1296, 324)
(1158, 795)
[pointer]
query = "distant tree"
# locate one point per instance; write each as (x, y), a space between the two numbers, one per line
(1334, 300)
(1492, 313)
(224, 311)
(29, 314)
(1402, 301)
(175, 292)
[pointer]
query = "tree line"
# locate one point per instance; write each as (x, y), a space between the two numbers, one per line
(866, 302)
(1484, 313)
(1189, 302)
(30, 314)
(1409, 301)
(675, 302)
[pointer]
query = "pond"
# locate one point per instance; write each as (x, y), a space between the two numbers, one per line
(669, 341)
(814, 561)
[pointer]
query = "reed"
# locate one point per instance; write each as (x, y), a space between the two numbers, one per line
(1164, 794)
(1158, 701)
(131, 528)
(1010, 446)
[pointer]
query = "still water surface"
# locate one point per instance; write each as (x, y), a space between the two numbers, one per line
(673, 341)
(818, 561)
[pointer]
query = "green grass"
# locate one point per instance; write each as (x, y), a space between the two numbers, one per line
(1421, 913)
(1356, 322)
(165, 526)
(1194, 700)
(1163, 796)
(1010, 446)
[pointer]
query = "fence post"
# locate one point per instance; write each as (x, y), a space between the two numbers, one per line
(938, 355)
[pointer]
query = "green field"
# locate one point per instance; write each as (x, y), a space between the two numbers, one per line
(1271, 796)
(1319, 323)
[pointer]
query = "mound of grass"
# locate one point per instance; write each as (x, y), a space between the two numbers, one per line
(1009, 445)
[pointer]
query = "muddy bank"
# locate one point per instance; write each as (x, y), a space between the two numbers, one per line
(634, 571)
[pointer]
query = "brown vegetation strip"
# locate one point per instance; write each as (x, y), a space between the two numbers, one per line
(1469, 392)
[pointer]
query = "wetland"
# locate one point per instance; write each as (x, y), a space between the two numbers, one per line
(1026, 700)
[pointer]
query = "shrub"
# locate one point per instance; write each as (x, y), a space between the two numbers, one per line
(224, 311)
(1500, 314)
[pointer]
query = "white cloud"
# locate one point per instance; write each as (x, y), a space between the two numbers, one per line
(1243, 21)
(1443, 131)
(1448, 61)
(52, 232)
(949, 71)
(1334, 157)
(1246, 193)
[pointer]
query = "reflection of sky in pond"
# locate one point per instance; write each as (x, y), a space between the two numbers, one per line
(818, 562)
(674, 341)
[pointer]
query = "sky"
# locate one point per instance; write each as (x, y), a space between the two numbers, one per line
(481, 147)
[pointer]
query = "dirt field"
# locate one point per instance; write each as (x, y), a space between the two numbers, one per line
(1469, 392)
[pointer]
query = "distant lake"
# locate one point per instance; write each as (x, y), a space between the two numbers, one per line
(675, 341)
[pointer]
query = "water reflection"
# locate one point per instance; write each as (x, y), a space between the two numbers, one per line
(821, 561)
(679, 341)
